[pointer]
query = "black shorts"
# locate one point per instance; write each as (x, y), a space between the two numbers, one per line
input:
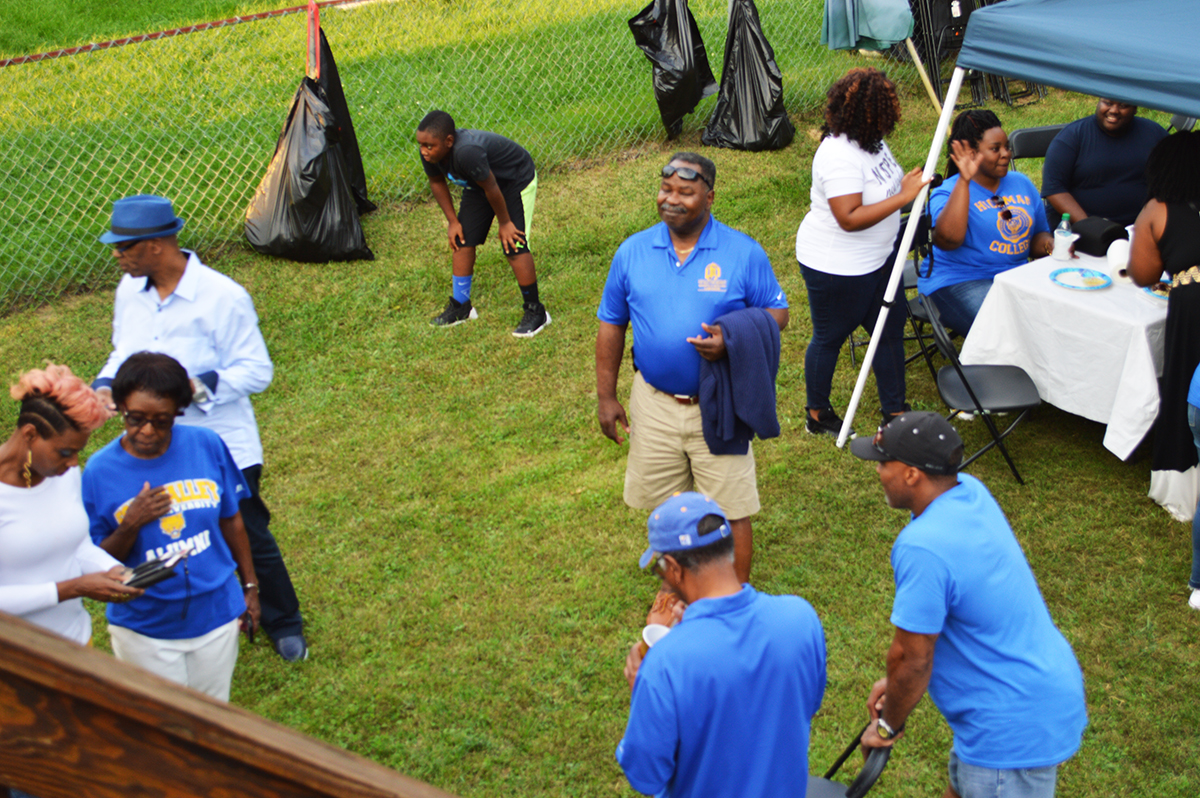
(475, 214)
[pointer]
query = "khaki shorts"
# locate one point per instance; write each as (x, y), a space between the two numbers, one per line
(667, 454)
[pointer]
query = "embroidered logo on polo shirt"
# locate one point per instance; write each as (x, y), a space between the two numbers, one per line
(712, 279)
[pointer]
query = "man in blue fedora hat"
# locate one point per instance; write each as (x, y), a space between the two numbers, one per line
(722, 704)
(170, 302)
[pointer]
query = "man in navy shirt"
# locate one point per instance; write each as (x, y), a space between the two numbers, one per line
(722, 704)
(672, 282)
(1096, 166)
(971, 624)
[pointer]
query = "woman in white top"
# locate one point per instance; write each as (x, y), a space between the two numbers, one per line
(47, 558)
(846, 244)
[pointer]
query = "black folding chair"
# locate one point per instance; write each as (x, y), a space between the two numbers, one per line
(1180, 122)
(1032, 142)
(986, 388)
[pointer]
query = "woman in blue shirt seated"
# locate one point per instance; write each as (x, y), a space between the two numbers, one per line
(986, 220)
(161, 489)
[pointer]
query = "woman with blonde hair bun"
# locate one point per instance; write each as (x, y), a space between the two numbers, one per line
(48, 561)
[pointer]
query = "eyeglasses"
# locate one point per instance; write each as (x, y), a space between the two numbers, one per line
(127, 245)
(685, 172)
(138, 420)
(656, 561)
(1005, 213)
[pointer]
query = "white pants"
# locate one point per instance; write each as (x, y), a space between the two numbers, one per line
(204, 663)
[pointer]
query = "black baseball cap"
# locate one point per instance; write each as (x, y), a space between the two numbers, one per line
(921, 439)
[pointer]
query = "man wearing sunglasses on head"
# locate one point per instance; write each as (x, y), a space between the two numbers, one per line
(169, 302)
(971, 624)
(672, 282)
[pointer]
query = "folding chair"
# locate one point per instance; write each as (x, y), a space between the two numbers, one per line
(988, 389)
(1180, 122)
(1032, 142)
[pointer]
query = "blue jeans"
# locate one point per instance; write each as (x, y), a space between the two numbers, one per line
(1194, 423)
(838, 306)
(958, 304)
(972, 781)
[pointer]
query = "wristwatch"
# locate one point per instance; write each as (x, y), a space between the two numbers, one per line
(885, 731)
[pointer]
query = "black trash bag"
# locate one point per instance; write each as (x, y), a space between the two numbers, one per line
(667, 33)
(303, 208)
(749, 113)
(332, 86)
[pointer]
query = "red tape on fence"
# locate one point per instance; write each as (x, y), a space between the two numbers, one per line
(164, 34)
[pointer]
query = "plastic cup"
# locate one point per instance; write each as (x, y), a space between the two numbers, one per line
(651, 634)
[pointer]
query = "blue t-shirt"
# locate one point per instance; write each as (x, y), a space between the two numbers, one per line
(1003, 675)
(727, 270)
(722, 704)
(1194, 389)
(1105, 174)
(993, 244)
(205, 486)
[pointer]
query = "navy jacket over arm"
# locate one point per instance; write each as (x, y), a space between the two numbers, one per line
(737, 392)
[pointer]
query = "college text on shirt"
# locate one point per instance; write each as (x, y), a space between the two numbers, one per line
(186, 494)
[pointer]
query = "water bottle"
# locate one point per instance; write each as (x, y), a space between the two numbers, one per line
(1063, 238)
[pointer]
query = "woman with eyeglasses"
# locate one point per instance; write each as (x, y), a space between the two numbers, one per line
(986, 220)
(160, 489)
(846, 244)
(48, 562)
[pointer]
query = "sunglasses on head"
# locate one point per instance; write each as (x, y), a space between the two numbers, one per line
(685, 172)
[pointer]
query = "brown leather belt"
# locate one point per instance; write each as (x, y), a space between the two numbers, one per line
(683, 400)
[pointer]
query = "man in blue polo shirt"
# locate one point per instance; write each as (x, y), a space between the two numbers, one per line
(971, 624)
(672, 282)
(722, 704)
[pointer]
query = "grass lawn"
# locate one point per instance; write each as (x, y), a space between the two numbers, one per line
(453, 519)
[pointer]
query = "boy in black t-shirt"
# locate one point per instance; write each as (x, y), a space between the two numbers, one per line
(498, 180)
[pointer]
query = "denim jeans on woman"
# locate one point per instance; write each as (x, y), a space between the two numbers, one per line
(959, 304)
(838, 306)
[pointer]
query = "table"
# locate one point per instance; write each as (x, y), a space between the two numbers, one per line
(1097, 354)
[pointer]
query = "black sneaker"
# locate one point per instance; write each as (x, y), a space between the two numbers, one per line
(827, 422)
(455, 313)
(534, 321)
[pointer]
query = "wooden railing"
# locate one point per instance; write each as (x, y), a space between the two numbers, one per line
(76, 723)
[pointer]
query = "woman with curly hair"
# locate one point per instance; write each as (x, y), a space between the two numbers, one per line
(847, 242)
(986, 220)
(47, 559)
(1166, 237)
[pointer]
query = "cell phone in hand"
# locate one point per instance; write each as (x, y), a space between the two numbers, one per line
(154, 571)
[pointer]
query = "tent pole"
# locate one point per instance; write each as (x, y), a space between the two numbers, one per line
(914, 219)
(912, 52)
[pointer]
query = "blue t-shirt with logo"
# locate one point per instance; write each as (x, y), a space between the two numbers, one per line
(722, 705)
(1004, 677)
(993, 244)
(205, 486)
(667, 302)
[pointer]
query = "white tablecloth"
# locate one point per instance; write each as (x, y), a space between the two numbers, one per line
(1097, 354)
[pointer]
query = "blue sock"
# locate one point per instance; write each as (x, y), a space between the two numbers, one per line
(462, 289)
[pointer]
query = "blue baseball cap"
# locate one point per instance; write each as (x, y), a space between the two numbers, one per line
(672, 525)
(142, 216)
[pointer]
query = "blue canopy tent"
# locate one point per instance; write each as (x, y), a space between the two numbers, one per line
(1141, 53)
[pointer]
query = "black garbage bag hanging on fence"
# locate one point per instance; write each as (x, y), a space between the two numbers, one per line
(303, 209)
(749, 113)
(667, 33)
(332, 86)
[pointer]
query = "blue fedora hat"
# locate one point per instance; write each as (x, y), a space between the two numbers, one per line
(142, 216)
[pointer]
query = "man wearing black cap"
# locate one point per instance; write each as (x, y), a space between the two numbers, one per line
(971, 624)
(722, 704)
(170, 302)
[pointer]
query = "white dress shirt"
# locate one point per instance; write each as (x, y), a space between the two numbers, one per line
(208, 324)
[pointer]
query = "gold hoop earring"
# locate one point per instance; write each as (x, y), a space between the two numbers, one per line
(27, 471)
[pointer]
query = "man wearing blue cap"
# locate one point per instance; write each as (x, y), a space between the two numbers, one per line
(971, 624)
(722, 705)
(170, 302)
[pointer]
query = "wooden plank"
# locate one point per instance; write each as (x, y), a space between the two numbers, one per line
(76, 722)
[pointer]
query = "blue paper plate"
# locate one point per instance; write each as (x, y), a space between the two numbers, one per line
(1080, 279)
(1150, 290)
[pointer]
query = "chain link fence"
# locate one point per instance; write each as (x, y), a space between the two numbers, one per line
(195, 117)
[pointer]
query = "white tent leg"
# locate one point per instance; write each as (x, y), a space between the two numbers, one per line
(910, 231)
